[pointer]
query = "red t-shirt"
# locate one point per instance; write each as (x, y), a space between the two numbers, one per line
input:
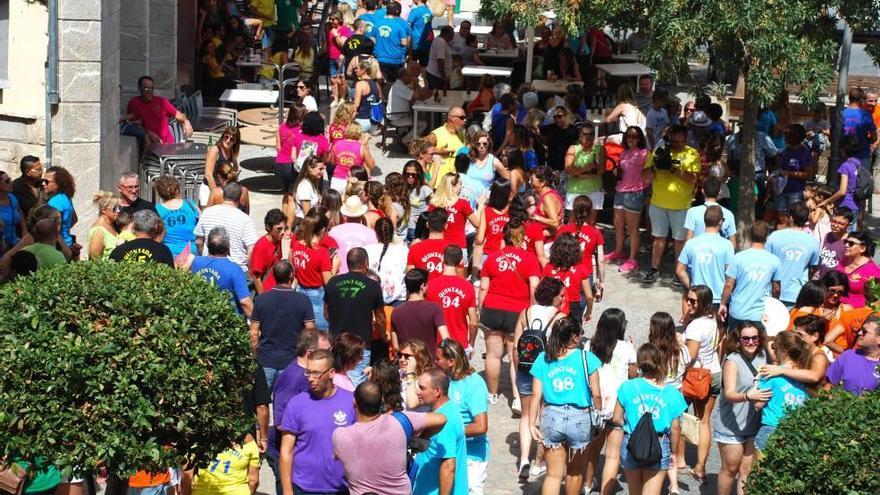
(428, 255)
(265, 254)
(155, 115)
(495, 223)
(309, 264)
(458, 214)
(508, 271)
(328, 243)
(590, 238)
(455, 295)
(534, 233)
(572, 279)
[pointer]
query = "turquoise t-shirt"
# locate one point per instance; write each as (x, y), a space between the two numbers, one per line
(63, 204)
(563, 381)
(787, 394)
(706, 257)
(753, 270)
(638, 396)
(797, 251)
(471, 397)
(448, 442)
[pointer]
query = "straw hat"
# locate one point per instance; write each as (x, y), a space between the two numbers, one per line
(353, 207)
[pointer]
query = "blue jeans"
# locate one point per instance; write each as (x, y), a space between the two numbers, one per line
(357, 374)
(274, 464)
(316, 297)
(271, 376)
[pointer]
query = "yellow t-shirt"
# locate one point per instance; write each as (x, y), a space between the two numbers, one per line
(227, 474)
(673, 192)
(449, 141)
(268, 71)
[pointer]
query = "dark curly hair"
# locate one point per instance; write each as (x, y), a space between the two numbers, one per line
(64, 180)
(387, 377)
(347, 350)
(565, 252)
(313, 124)
(547, 289)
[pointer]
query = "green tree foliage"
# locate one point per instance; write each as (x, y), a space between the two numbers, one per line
(133, 365)
(828, 445)
(773, 43)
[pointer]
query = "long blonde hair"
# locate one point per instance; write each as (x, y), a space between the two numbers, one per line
(344, 114)
(445, 195)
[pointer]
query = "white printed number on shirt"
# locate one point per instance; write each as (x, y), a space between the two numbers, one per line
(703, 258)
(451, 302)
(563, 384)
(505, 265)
(792, 255)
(756, 275)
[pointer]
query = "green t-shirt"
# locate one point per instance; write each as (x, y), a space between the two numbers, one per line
(586, 184)
(46, 255)
(288, 14)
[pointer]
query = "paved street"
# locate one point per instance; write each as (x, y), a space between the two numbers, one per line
(628, 293)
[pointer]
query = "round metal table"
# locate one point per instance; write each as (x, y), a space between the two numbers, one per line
(259, 116)
(260, 135)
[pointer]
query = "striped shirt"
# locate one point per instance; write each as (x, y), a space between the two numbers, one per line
(238, 225)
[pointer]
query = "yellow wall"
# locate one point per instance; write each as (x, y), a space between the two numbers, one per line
(27, 57)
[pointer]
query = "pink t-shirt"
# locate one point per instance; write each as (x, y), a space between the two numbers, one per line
(318, 145)
(857, 281)
(384, 469)
(346, 154)
(333, 51)
(336, 132)
(348, 236)
(155, 114)
(632, 162)
(288, 138)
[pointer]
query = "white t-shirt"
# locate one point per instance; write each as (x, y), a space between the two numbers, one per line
(657, 120)
(458, 43)
(392, 269)
(538, 316)
(305, 191)
(310, 103)
(705, 331)
(439, 49)
(399, 98)
(631, 116)
(675, 377)
(614, 373)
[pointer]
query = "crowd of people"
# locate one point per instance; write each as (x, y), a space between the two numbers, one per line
(365, 298)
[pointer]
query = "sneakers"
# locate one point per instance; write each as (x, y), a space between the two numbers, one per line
(613, 256)
(537, 470)
(628, 266)
(516, 407)
(493, 399)
(651, 276)
(524, 470)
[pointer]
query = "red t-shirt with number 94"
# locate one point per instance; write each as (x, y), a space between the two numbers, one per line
(455, 295)
(458, 215)
(428, 255)
(508, 272)
(572, 279)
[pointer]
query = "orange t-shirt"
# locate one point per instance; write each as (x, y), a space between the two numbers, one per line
(852, 321)
(143, 479)
(876, 116)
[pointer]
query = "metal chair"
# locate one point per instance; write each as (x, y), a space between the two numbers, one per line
(211, 118)
(387, 125)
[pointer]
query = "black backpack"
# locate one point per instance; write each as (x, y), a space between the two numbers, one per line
(864, 185)
(643, 444)
(532, 342)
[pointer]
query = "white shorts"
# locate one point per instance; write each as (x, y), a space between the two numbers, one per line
(204, 194)
(665, 222)
(338, 184)
(598, 199)
(476, 473)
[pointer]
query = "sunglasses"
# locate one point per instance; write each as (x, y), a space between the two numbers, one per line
(404, 355)
(749, 339)
(852, 243)
(692, 300)
(410, 174)
(835, 292)
(483, 143)
(302, 87)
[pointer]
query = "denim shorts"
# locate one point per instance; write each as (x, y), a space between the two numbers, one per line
(632, 201)
(729, 439)
(665, 222)
(628, 462)
(336, 67)
(781, 202)
(567, 425)
(523, 382)
(763, 435)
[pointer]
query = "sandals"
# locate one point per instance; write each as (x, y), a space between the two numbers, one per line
(702, 479)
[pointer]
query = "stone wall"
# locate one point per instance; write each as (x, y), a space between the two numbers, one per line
(149, 46)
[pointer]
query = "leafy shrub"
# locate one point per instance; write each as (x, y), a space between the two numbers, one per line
(829, 445)
(114, 362)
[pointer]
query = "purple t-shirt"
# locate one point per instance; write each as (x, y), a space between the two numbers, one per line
(795, 160)
(313, 420)
(854, 372)
(830, 254)
(290, 383)
(850, 168)
(384, 469)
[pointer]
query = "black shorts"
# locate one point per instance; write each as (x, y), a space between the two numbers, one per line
(285, 175)
(499, 320)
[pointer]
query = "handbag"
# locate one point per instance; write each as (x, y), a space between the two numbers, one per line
(12, 479)
(597, 422)
(696, 383)
(690, 428)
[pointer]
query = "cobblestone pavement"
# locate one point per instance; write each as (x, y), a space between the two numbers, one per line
(639, 301)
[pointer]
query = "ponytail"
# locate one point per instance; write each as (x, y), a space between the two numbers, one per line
(563, 332)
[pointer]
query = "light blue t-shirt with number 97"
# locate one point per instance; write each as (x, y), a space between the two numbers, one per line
(563, 381)
(753, 270)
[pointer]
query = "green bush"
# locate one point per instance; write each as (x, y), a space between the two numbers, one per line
(829, 445)
(112, 362)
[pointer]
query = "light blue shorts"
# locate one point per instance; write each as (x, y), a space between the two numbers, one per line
(567, 425)
(763, 436)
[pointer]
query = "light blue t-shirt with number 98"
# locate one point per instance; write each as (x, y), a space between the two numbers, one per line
(563, 381)
(638, 396)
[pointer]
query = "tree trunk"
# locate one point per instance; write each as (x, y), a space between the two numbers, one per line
(745, 211)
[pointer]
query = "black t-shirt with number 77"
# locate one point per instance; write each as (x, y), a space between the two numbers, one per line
(351, 299)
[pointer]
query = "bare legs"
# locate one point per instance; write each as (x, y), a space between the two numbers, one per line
(644, 481)
(736, 461)
(703, 410)
(494, 352)
(612, 461)
(558, 465)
